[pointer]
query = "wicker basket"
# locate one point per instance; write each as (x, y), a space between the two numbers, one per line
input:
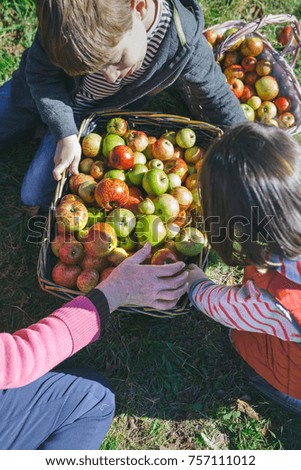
(283, 61)
(153, 124)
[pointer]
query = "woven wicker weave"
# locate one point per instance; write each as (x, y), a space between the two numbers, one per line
(153, 124)
(283, 62)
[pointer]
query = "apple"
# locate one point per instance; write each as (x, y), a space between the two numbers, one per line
(211, 36)
(155, 163)
(65, 275)
(135, 197)
(119, 174)
(86, 191)
(87, 280)
(264, 67)
(251, 78)
(248, 92)
(166, 207)
(163, 149)
(85, 165)
(58, 241)
(95, 215)
(136, 173)
(70, 198)
(82, 234)
(248, 112)
(236, 86)
(234, 71)
(185, 138)
(171, 136)
(252, 46)
(155, 182)
(178, 166)
(267, 88)
(174, 181)
(71, 252)
(91, 145)
(198, 165)
(122, 220)
(183, 219)
(283, 103)
(127, 243)
(106, 273)
(172, 230)
(117, 125)
(267, 110)
(109, 142)
(228, 33)
(190, 241)
(93, 262)
(136, 140)
(72, 215)
(121, 157)
(231, 58)
(254, 102)
(117, 256)
(146, 206)
(249, 63)
(97, 170)
(269, 122)
(191, 181)
(76, 180)
(101, 240)
(164, 256)
(192, 168)
(286, 120)
(150, 228)
(178, 152)
(139, 157)
(148, 152)
(111, 193)
(183, 196)
(284, 35)
(193, 154)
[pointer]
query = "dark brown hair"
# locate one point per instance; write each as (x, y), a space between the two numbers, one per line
(78, 35)
(251, 194)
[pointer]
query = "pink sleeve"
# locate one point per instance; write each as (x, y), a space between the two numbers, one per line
(31, 352)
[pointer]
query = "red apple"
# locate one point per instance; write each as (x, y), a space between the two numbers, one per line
(93, 262)
(231, 58)
(249, 63)
(163, 149)
(286, 120)
(117, 256)
(117, 125)
(284, 35)
(165, 256)
(136, 140)
(97, 170)
(251, 46)
(58, 241)
(111, 193)
(106, 273)
(71, 252)
(121, 157)
(191, 181)
(248, 92)
(76, 180)
(251, 78)
(267, 88)
(264, 67)
(86, 191)
(65, 275)
(236, 86)
(91, 145)
(178, 166)
(234, 71)
(70, 198)
(72, 215)
(283, 103)
(211, 36)
(135, 197)
(183, 196)
(101, 240)
(87, 280)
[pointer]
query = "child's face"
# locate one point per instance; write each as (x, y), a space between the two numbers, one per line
(129, 53)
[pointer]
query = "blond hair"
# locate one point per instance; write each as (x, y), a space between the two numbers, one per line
(78, 35)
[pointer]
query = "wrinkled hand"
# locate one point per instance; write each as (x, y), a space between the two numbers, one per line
(194, 274)
(67, 155)
(132, 283)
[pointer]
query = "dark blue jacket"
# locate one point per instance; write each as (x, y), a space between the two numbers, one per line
(46, 89)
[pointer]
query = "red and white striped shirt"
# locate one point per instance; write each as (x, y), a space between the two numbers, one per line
(248, 307)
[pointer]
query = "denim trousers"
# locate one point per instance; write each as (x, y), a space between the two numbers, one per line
(70, 409)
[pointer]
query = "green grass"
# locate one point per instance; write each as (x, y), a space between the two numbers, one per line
(178, 383)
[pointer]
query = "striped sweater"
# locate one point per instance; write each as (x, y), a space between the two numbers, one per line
(247, 307)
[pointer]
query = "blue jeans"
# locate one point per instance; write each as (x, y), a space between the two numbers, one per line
(61, 410)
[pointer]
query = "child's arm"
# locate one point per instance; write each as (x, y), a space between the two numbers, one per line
(204, 88)
(246, 307)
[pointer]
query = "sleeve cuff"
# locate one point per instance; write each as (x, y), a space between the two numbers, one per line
(100, 302)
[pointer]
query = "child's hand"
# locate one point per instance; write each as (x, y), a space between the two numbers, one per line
(67, 155)
(194, 274)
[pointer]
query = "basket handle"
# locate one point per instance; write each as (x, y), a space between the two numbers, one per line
(248, 28)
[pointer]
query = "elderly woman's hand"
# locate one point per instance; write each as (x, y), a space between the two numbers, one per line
(133, 283)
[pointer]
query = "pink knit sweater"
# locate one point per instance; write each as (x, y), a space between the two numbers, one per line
(31, 352)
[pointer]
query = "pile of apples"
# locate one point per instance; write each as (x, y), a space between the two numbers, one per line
(132, 188)
(252, 78)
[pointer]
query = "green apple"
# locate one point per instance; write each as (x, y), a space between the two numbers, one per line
(174, 180)
(109, 142)
(95, 215)
(119, 174)
(155, 163)
(185, 138)
(166, 207)
(171, 136)
(155, 182)
(172, 230)
(248, 112)
(190, 241)
(150, 228)
(139, 157)
(122, 220)
(127, 243)
(146, 206)
(136, 173)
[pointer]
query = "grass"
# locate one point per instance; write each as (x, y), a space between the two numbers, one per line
(178, 383)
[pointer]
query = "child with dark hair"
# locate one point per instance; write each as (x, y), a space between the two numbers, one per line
(106, 54)
(251, 196)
